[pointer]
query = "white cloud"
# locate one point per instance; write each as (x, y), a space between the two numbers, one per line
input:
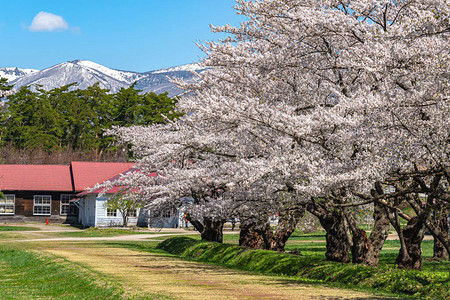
(45, 21)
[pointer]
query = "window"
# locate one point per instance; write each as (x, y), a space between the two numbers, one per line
(7, 205)
(42, 205)
(132, 212)
(111, 212)
(67, 208)
(161, 214)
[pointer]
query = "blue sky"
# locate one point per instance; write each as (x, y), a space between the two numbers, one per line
(133, 35)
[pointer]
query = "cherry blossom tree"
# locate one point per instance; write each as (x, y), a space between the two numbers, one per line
(327, 101)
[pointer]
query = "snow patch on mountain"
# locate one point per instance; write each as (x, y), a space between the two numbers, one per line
(187, 67)
(12, 73)
(125, 76)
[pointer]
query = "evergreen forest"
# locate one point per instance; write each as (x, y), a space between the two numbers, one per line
(66, 123)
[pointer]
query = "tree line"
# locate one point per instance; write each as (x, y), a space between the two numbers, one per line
(68, 119)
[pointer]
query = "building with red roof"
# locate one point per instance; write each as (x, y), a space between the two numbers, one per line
(95, 212)
(88, 174)
(45, 191)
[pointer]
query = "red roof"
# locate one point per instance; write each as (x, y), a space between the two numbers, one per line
(88, 174)
(35, 178)
(115, 189)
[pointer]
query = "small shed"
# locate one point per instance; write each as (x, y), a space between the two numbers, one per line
(93, 210)
(94, 213)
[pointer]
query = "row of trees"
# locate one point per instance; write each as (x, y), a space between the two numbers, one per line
(70, 118)
(325, 106)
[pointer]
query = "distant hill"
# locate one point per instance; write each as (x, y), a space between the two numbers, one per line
(15, 73)
(86, 73)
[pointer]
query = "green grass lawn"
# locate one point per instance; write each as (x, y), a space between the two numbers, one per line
(312, 266)
(14, 232)
(11, 235)
(314, 245)
(17, 228)
(430, 283)
(28, 275)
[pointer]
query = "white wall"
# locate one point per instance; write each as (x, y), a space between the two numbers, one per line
(86, 214)
(93, 213)
(102, 218)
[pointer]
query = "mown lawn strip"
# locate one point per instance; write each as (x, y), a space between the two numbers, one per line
(26, 274)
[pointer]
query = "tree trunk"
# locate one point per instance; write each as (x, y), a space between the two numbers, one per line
(254, 233)
(210, 230)
(413, 234)
(197, 224)
(213, 230)
(286, 225)
(395, 222)
(361, 246)
(380, 230)
(439, 250)
(439, 231)
(257, 234)
(338, 247)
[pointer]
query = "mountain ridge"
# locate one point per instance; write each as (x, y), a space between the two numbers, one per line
(86, 73)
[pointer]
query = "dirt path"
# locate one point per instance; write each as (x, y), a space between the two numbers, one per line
(143, 273)
(130, 237)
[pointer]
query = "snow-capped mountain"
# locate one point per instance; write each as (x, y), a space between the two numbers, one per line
(125, 76)
(86, 73)
(14, 73)
(188, 68)
(158, 81)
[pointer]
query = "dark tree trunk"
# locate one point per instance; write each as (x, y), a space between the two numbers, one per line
(254, 233)
(338, 246)
(379, 232)
(210, 229)
(440, 231)
(257, 233)
(439, 250)
(378, 235)
(361, 246)
(286, 225)
(360, 242)
(197, 224)
(439, 234)
(213, 230)
(413, 234)
(395, 221)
